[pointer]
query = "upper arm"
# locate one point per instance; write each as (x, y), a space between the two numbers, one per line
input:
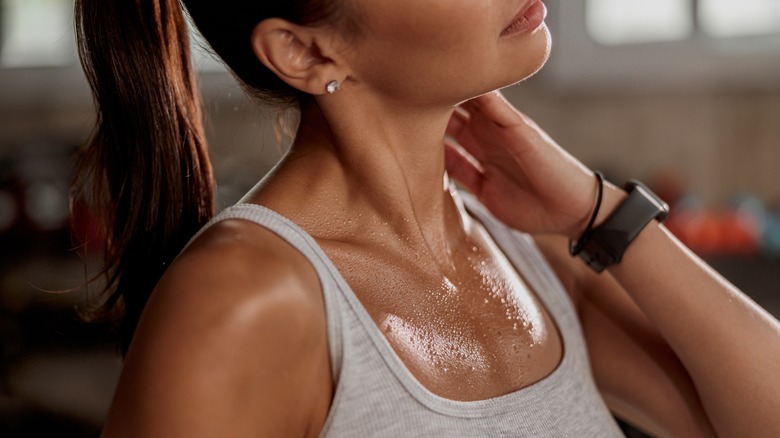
(638, 374)
(230, 344)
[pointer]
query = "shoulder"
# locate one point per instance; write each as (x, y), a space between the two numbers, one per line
(236, 261)
(232, 329)
(235, 277)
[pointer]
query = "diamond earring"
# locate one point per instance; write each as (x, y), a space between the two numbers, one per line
(332, 87)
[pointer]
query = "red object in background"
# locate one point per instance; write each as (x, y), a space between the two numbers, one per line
(702, 233)
(711, 233)
(741, 233)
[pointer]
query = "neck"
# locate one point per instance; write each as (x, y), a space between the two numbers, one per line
(381, 163)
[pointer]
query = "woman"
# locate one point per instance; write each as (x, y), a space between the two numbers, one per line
(354, 292)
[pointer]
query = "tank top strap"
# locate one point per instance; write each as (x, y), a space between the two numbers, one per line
(307, 246)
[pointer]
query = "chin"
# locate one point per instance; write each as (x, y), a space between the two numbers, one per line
(522, 61)
(533, 58)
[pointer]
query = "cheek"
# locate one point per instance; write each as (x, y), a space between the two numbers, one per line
(427, 53)
(416, 62)
(430, 22)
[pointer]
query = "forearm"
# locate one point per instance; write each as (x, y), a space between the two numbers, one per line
(728, 344)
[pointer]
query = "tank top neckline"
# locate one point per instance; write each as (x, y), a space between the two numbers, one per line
(501, 237)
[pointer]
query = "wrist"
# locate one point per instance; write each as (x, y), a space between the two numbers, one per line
(606, 199)
(612, 198)
(625, 214)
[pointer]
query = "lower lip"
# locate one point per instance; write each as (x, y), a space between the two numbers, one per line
(531, 20)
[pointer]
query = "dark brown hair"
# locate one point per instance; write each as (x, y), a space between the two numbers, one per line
(145, 171)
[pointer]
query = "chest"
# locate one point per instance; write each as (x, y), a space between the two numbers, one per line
(477, 333)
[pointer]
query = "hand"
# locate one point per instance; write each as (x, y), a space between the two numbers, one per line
(516, 170)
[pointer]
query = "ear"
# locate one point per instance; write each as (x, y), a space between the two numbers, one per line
(295, 54)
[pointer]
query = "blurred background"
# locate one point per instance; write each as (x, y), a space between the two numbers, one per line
(683, 94)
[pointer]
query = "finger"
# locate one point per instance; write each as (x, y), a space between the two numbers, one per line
(463, 169)
(475, 143)
(457, 123)
(495, 108)
(456, 147)
(460, 130)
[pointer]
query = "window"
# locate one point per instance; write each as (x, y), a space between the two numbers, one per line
(632, 21)
(39, 33)
(613, 22)
(648, 45)
(39, 66)
(728, 18)
(36, 33)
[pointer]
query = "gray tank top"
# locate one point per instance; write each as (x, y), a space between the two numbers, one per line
(377, 396)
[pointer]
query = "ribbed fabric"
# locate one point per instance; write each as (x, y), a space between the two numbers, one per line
(377, 396)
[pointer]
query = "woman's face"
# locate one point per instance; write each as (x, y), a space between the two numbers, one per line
(446, 51)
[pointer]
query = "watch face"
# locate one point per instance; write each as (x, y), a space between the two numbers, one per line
(661, 206)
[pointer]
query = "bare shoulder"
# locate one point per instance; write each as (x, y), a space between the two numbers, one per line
(236, 266)
(235, 278)
(235, 328)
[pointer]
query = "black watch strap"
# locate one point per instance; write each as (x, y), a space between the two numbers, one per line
(607, 243)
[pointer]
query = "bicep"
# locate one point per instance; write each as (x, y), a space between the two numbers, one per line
(638, 374)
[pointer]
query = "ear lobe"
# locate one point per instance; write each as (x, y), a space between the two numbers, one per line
(292, 53)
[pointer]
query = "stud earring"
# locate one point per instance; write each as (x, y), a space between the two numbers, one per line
(332, 87)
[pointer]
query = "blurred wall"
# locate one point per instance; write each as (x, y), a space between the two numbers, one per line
(721, 143)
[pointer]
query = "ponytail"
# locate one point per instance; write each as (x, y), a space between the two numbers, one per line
(145, 171)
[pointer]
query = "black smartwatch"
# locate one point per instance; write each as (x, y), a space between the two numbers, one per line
(606, 244)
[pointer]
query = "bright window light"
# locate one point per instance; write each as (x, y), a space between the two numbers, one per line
(730, 18)
(614, 22)
(36, 33)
